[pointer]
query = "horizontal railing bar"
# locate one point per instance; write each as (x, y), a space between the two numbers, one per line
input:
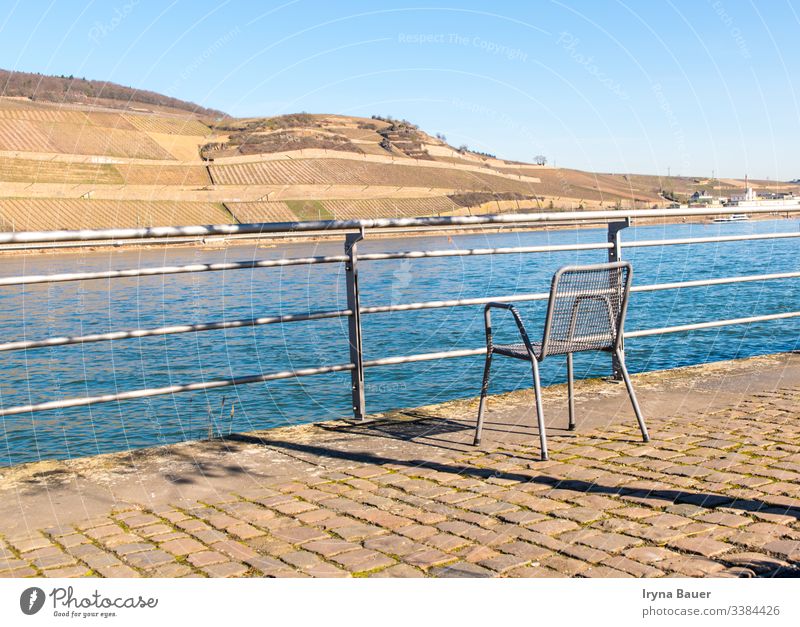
(406, 359)
(723, 281)
(185, 328)
(172, 389)
(377, 223)
(706, 240)
(439, 304)
(711, 324)
(162, 270)
(468, 252)
(243, 238)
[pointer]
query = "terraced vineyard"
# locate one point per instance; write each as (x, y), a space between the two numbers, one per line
(23, 135)
(30, 170)
(136, 174)
(47, 214)
(355, 172)
(86, 139)
(389, 207)
(169, 126)
(262, 211)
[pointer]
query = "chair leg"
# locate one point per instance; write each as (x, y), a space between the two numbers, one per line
(482, 404)
(537, 387)
(632, 395)
(570, 392)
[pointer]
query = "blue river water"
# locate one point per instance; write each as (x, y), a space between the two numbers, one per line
(77, 308)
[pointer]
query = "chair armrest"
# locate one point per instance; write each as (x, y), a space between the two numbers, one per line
(517, 318)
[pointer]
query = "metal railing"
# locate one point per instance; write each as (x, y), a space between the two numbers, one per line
(355, 231)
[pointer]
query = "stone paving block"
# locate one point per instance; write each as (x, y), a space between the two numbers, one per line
(553, 527)
(153, 530)
(399, 571)
(604, 572)
(392, 544)
(314, 516)
(244, 531)
(460, 570)
(426, 558)
(535, 572)
(172, 570)
(206, 558)
(209, 536)
(23, 571)
(45, 551)
(504, 562)
(787, 549)
(474, 554)
(446, 541)
(149, 560)
(292, 508)
(234, 549)
(13, 564)
(585, 553)
(329, 547)
(757, 562)
(120, 539)
(226, 569)
(299, 534)
(90, 523)
(67, 572)
(182, 546)
(73, 539)
(133, 547)
(312, 565)
(271, 567)
(385, 519)
(362, 560)
(192, 525)
(565, 565)
(418, 532)
(139, 520)
(632, 567)
(357, 531)
(54, 561)
(532, 552)
(106, 531)
(691, 566)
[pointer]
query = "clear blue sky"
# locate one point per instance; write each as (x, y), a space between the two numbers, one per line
(694, 86)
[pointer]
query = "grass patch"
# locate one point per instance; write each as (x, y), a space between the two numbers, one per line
(309, 210)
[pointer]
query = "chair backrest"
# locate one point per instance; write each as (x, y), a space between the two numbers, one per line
(587, 307)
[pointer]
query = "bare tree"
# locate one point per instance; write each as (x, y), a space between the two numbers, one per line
(540, 160)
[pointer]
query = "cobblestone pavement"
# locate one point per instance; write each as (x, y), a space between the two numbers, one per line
(716, 493)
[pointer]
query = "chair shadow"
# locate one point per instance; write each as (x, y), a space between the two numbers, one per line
(577, 485)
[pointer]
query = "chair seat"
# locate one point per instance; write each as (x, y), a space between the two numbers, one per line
(519, 351)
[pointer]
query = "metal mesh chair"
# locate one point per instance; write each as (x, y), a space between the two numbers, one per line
(585, 312)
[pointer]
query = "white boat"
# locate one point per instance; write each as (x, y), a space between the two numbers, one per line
(734, 217)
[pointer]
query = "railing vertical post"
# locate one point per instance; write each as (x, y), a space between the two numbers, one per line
(615, 254)
(354, 324)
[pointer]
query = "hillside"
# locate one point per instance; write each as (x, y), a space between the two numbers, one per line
(73, 164)
(72, 90)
